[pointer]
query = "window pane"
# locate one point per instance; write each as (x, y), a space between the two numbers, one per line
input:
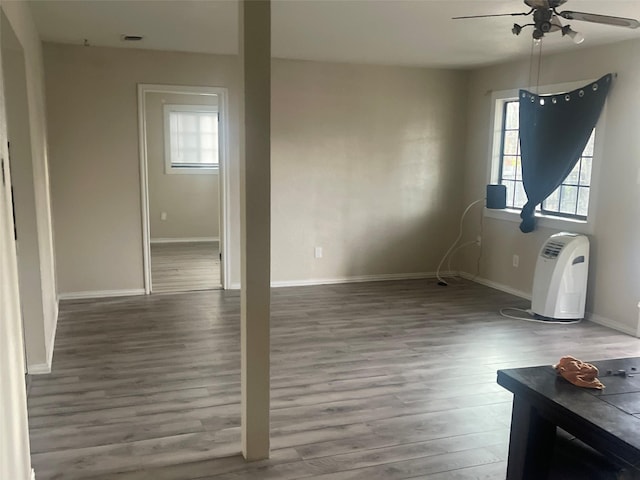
(511, 144)
(512, 120)
(521, 196)
(585, 173)
(209, 156)
(588, 150)
(574, 176)
(583, 201)
(569, 199)
(188, 156)
(187, 122)
(209, 123)
(518, 168)
(510, 192)
(193, 138)
(173, 123)
(552, 202)
(509, 165)
(188, 140)
(207, 140)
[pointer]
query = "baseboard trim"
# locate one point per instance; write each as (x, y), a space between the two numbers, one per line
(496, 285)
(45, 368)
(591, 317)
(352, 279)
(607, 322)
(39, 369)
(101, 294)
(185, 240)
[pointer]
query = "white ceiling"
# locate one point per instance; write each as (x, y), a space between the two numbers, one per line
(400, 32)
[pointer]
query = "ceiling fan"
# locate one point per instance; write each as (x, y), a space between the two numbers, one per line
(546, 19)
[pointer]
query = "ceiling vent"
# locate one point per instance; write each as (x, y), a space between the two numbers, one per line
(131, 38)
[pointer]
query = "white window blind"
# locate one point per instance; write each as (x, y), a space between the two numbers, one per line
(192, 138)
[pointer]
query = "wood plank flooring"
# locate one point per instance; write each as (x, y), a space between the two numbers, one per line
(375, 381)
(183, 267)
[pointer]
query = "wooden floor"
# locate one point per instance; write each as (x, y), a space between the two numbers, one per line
(183, 267)
(377, 381)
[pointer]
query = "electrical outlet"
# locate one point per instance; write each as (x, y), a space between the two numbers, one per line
(163, 216)
(317, 252)
(516, 261)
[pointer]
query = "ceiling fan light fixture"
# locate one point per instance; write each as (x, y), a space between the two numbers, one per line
(577, 37)
(546, 19)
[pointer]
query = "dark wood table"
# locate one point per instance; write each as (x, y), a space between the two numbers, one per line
(608, 420)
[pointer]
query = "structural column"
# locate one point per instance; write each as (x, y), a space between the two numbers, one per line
(255, 201)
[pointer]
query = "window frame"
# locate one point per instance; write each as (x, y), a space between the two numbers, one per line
(169, 166)
(553, 220)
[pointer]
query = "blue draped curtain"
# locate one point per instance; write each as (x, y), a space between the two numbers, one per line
(554, 130)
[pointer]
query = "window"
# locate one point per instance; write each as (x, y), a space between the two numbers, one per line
(570, 200)
(191, 139)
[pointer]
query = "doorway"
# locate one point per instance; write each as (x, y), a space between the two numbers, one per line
(183, 155)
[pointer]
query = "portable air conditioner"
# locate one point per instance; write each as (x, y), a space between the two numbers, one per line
(560, 281)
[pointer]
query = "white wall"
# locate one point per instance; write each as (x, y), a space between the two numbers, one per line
(39, 335)
(614, 285)
(190, 201)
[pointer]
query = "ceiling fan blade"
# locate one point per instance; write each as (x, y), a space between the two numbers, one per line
(604, 19)
(497, 15)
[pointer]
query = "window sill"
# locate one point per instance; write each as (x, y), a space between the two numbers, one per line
(545, 221)
(192, 171)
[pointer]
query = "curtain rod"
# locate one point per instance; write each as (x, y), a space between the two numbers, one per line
(489, 92)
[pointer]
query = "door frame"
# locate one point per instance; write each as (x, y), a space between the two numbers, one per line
(223, 173)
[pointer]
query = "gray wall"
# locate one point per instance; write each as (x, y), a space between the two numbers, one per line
(14, 433)
(95, 179)
(23, 196)
(366, 163)
(27, 129)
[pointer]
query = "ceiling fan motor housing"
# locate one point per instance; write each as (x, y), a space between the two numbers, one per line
(545, 4)
(542, 20)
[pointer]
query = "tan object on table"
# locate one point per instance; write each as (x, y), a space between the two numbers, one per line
(578, 372)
